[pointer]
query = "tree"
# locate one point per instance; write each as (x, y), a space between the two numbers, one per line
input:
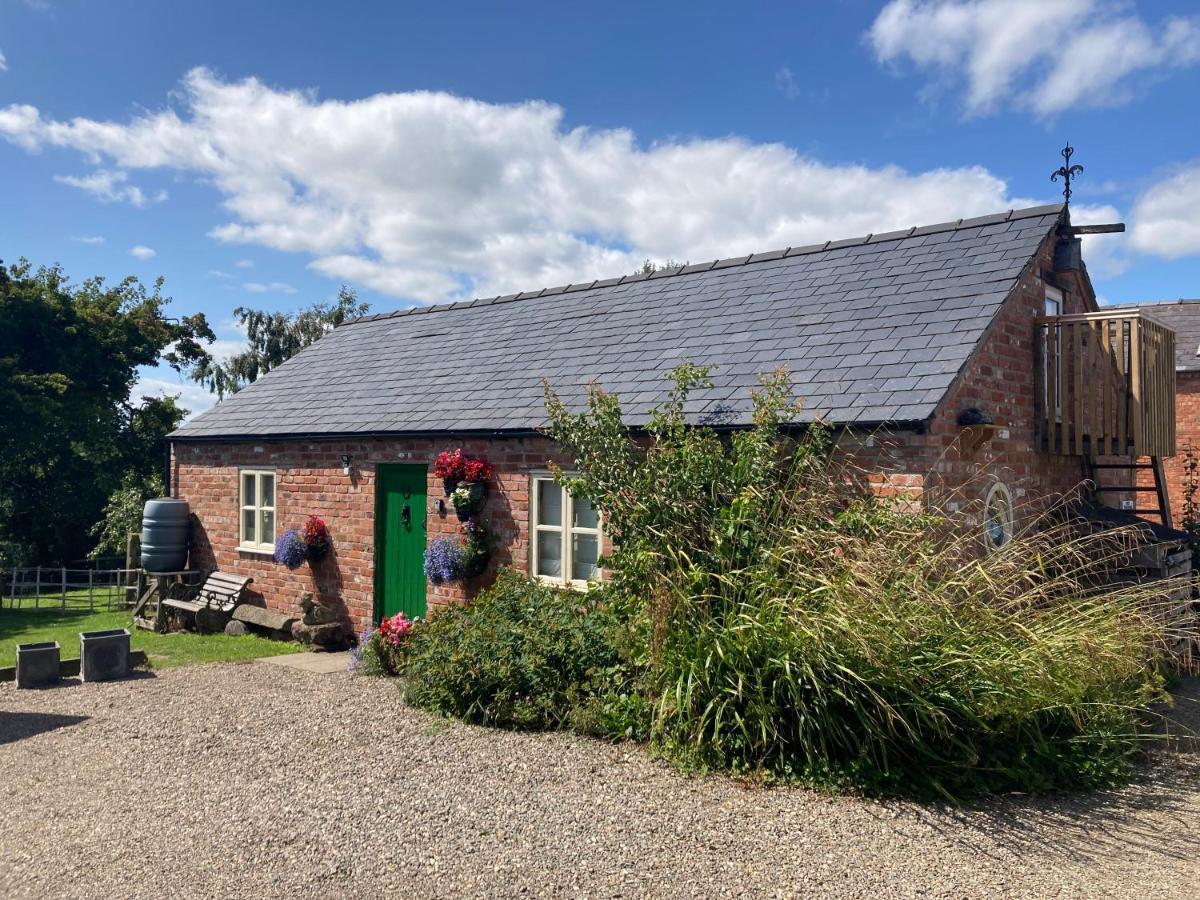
(70, 432)
(649, 266)
(275, 337)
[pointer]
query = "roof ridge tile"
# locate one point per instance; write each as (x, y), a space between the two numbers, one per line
(1030, 212)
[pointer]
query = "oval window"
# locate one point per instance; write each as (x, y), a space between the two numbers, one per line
(997, 517)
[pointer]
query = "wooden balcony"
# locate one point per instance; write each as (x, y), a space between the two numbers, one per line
(1105, 385)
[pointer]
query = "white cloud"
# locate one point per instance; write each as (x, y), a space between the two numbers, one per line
(3, 62)
(431, 196)
(1107, 255)
(142, 252)
(1166, 217)
(93, 240)
(785, 83)
(110, 186)
(245, 264)
(1041, 55)
(269, 287)
(218, 273)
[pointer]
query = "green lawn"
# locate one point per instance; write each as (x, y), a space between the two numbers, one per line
(22, 626)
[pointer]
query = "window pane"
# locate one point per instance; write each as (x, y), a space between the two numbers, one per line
(549, 554)
(585, 514)
(248, 531)
(549, 500)
(268, 490)
(266, 534)
(585, 550)
(248, 489)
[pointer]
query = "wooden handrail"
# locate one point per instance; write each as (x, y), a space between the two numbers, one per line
(1105, 384)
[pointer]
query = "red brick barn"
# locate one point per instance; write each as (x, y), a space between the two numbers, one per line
(1183, 317)
(898, 338)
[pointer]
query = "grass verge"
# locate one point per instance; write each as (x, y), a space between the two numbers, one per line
(21, 626)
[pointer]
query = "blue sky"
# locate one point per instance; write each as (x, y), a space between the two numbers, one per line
(263, 153)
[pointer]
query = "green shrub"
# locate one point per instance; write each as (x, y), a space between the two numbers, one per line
(521, 655)
(783, 622)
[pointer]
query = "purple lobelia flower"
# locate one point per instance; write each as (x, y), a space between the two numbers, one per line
(445, 560)
(290, 549)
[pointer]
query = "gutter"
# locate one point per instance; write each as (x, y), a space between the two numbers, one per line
(918, 425)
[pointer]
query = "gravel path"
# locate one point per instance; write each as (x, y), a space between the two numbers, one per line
(255, 781)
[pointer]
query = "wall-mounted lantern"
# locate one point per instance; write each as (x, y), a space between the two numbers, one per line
(345, 463)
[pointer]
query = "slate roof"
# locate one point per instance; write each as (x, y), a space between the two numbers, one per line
(874, 330)
(1184, 317)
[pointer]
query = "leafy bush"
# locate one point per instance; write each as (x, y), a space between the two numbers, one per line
(123, 514)
(382, 650)
(784, 622)
(521, 655)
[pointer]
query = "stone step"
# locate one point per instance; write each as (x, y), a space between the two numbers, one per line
(264, 618)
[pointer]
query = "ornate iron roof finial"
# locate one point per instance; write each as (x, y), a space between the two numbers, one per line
(1067, 172)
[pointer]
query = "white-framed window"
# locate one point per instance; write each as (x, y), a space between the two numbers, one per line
(256, 516)
(565, 535)
(998, 517)
(1052, 396)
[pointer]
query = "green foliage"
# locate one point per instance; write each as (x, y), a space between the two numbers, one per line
(70, 432)
(375, 656)
(274, 338)
(179, 648)
(519, 656)
(123, 513)
(784, 623)
(649, 266)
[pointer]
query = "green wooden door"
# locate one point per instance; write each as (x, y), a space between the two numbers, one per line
(399, 540)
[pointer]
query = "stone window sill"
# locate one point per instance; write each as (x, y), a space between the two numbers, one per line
(256, 551)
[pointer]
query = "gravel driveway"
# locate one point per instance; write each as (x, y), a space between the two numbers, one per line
(255, 781)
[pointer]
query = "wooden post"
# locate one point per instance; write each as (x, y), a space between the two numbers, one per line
(1135, 388)
(13, 604)
(1105, 385)
(1078, 365)
(64, 586)
(1123, 400)
(1051, 388)
(91, 595)
(37, 589)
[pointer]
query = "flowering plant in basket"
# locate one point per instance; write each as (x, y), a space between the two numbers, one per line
(290, 549)
(455, 466)
(445, 561)
(477, 548)
(316, 538)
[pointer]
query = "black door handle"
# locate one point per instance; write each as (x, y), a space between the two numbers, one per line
(406, 515)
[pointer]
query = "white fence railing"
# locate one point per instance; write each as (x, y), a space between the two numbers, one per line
(46, 587)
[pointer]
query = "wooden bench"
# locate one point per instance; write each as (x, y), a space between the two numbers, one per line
(221, 591)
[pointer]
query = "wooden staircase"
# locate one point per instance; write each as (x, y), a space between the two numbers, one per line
(1157, 492)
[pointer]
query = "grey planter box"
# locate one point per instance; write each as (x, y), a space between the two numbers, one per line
(37, 664)
(104, 654)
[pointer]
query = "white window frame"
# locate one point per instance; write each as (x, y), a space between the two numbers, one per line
(566, 530)
(1007, 526)
(258, 506)
(1052, 306)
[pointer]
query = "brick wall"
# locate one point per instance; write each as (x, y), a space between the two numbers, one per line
(941, 468)
(930, 467)
(309, 480)
(1187, 435)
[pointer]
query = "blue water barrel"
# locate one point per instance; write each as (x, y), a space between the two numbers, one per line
(165, 535)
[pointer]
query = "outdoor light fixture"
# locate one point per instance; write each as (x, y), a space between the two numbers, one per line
(345, 463)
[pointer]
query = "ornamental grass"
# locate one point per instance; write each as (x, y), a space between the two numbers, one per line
(784, 623)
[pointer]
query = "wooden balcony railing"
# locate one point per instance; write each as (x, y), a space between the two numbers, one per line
(1105, 385)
